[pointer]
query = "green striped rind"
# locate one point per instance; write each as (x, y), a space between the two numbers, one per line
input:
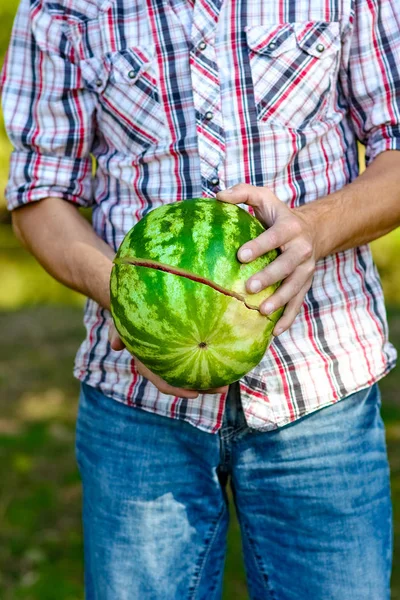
(209, 233)
(162, 317)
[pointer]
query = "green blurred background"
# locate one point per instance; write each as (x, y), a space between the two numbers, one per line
(40, 325)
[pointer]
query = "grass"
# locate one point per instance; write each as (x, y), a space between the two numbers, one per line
(40, 545)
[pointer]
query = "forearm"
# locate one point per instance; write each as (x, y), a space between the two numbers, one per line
(364, 210)
(66, 245)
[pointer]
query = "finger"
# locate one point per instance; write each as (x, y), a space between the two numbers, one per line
(243, 193)
(115, 341)
(162, 385)
(279, 269)
(111, 330)
(273, 238)
(219, 390)
(284, 230)
(288, 290)
(291, 311)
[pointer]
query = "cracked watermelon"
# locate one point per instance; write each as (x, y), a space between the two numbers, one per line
(178, 294)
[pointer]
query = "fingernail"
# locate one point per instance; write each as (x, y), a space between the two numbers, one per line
(255, 285)
(267, 309)
(278, 331)
(228, 191)
(245, 255)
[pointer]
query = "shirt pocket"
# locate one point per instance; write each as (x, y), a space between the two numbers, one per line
(293, 66)
(130, 99)
(130, 116)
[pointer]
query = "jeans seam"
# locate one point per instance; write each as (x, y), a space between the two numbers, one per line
(264, 576)
(209, 545)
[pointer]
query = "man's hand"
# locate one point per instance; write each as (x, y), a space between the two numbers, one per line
(362, 211)
(164, 387)
(294, 235)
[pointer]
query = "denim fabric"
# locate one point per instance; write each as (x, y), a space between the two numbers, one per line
(312, 498)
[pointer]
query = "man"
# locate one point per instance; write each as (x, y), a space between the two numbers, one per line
(258, 103)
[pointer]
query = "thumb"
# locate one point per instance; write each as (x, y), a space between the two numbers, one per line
(261, 199)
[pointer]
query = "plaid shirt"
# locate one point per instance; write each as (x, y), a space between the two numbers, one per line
(178, 99)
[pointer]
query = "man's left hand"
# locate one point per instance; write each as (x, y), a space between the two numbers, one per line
(296, 237)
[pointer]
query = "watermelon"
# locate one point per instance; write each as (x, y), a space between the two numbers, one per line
(178, 296)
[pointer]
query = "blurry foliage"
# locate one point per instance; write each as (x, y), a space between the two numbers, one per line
(6, 19)
(7, 12)
(24, 282)
(386, 253)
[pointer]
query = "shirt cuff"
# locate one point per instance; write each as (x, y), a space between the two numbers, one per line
(382, 139)
(35, 176)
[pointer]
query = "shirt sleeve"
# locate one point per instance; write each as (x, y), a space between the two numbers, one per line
(48, 113)
(372, 82)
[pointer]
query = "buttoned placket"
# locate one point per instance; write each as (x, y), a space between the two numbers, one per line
(207, 95)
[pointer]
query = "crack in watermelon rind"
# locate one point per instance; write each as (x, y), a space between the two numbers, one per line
(153, 264)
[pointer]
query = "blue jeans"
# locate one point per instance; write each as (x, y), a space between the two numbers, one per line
(312, 498)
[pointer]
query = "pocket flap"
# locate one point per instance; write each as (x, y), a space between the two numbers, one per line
(272, 40)
(94, 73)
(129, 64)
(318, 38)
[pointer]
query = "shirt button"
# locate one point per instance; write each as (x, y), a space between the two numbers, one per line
(132, 74)
(202, 46)
(214, 181)
(209, 115)
(99, 82)
(272, 46)
(320, 47)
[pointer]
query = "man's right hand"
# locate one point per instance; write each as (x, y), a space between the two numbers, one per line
(164, 387)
